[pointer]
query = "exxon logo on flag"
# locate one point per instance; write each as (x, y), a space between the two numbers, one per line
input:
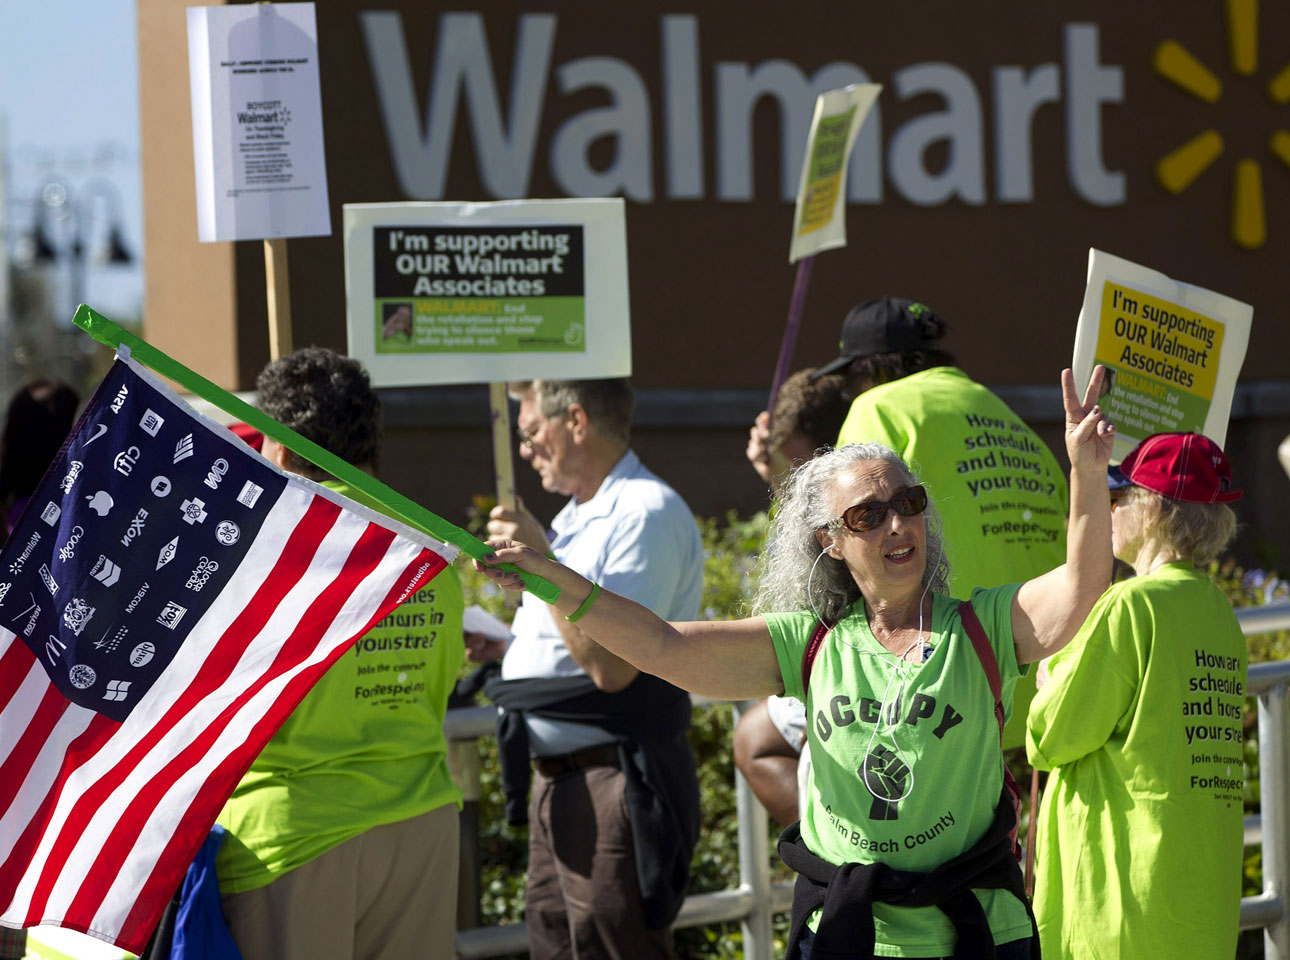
(130, 703)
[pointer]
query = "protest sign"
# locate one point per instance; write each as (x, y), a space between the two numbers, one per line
(257, 122)
(819, 220)
(1174, 350)
(487, 292)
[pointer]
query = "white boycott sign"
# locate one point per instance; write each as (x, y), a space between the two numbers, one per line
(257, 122)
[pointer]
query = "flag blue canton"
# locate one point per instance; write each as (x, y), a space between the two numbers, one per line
(134, 531)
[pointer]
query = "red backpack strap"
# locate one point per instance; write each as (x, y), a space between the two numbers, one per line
(985, 653)
(812, 648)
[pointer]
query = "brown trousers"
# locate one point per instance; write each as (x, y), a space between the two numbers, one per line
(388, 894)
(583, 898)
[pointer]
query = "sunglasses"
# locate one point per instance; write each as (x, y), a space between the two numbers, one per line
(863, 517)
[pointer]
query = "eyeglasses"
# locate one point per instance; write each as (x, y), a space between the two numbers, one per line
(863, 517)
(527, 438)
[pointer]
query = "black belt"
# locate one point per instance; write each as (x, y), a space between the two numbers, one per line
(602, 755)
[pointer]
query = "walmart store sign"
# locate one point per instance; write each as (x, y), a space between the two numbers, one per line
(505, 131)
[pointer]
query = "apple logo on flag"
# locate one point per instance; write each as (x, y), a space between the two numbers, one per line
(100, 503)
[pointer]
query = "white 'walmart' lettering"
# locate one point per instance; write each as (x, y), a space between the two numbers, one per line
(505, 146)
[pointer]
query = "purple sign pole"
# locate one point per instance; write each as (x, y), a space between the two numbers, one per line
(795, 308)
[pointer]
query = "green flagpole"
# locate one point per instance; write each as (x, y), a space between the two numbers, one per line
(394, 503)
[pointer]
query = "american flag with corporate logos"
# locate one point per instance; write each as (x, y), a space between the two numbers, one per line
(165, 602)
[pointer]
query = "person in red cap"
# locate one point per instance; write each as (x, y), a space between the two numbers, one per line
(1140, 831)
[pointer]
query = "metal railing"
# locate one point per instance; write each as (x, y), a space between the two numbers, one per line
(756, 899)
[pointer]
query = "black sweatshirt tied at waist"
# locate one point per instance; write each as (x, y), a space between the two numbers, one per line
(848, 891)
(649, 720)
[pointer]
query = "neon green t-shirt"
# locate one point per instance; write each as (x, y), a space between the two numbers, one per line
(364, 748)
(1002, 497)
(944, 755)
(1139, 840)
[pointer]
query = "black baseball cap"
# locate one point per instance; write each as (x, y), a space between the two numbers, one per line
(881, 325)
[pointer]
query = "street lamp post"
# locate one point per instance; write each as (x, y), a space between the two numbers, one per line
(88, 230)
(77, 231)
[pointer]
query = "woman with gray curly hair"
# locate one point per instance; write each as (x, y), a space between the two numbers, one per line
(905, 847)
(793, 578)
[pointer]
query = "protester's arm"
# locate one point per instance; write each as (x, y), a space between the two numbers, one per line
(1050, 608)
(725, 659)
(758, 449)
(768, 762)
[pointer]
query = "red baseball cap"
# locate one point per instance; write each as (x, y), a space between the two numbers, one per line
(1181, 466)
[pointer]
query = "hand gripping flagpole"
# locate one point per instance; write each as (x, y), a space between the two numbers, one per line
(396, 504)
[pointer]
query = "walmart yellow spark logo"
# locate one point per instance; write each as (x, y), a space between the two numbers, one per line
(1178, 169)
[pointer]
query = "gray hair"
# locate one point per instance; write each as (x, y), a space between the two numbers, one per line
(1190, 531)
(609, 403)
(794, 575)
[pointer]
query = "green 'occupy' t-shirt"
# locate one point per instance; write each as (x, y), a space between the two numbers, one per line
(942, 762)
(1139, 835)
(1001, 495)
(364, 748)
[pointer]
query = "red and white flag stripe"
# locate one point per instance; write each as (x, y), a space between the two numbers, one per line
(99, 819)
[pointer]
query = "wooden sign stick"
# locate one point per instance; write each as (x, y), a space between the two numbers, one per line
(278, 290)
(503, 459)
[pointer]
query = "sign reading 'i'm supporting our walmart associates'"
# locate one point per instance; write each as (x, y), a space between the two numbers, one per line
(483, 292)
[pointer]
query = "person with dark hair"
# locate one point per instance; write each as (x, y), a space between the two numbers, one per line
(1139, 835)
(343, 836)
(1001, 492)
(614, 814)
(809, 412)
(326, 398)
(905, 846)
(40, 417)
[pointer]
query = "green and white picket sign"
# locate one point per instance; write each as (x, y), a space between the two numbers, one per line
(391, 501)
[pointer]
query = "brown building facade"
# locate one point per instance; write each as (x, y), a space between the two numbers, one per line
(1009, 139)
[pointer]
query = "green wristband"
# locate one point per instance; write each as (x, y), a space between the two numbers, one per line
(586, 604)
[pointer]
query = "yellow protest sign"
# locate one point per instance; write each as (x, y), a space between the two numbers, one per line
(1174, 350)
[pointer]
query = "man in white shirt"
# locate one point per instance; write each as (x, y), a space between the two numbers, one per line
(614, 809)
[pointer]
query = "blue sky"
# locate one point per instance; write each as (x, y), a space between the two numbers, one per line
(69, 109)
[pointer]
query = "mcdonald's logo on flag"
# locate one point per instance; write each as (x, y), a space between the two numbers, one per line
(165, 602)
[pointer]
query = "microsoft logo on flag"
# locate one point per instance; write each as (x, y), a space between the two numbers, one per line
(117, 690)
